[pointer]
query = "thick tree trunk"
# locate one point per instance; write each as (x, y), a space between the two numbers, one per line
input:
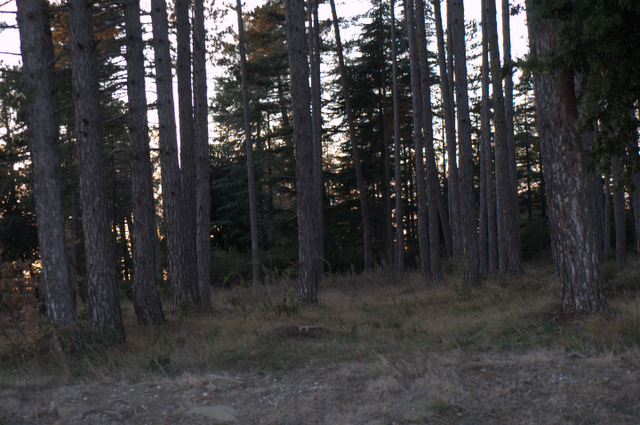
(399, 252)
(565, 176)
(146, 300)
(433, 182)
(310, 265)
(104, 300)
(450, 136)
(203, 182)
(42, 129)
(362, 191)
(467, 204)
(507, 218)
(187, 148)
(253, 203)
(418, 141)
(169, 168)
(619, 212)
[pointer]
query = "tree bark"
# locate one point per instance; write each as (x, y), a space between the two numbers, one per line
(203, 181)
(565, 175)
(418, 141)
(467, 204)
(310, 265)
(619, 212)
(362, 191)
(485, 151)
(253, 204)
(636, 208)
(104, 300)
(146, 300)
(42, 129)
(433, 182)
(397, 152)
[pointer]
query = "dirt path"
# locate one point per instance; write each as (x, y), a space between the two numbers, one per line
(450, 388)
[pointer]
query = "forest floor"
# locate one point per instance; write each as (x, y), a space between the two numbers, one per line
(376, 351)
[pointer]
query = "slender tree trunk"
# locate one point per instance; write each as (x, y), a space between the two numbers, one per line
(606, 224)
(636, 208)
(308, 221)
(450, 136)
(169, 168)
(565, 175)
(187, 148)
(362, 191)
(388, 226)
(253, 204)
(146, 300)
(104, 301)
(42, 129)
(316, 104)
(433, 182)
(485, 158)
(619, 212)
(203, 181)
(397, 152)
(418, 141)
(467, 204)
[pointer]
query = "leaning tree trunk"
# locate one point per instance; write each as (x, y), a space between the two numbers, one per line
(433, 182)
(104, 300)
(146, 300)
(310, 265)
(253, 203)
(565, 173)
(399, 257)
(467, 204)
(42, 130)
(619, 211)
(169, 167)
(357, 163)
(203, 183)
(418, 141)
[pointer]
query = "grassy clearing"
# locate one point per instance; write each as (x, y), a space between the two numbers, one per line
(378, 318)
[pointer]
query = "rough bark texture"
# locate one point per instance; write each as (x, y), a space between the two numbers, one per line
(42, 129)
(619, 212)
(146, 300)
(187, 149)
(362, 191)
(509, 259)
(308, 220)
(467, 204)
(253, 205)
(418, 141)
(104, 300)
(485, 151)
(399, 252)
(433, 182)
(203, 182)
(572, 235)
(169, 168)
(636, 208)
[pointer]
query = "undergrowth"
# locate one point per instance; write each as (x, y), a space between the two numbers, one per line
(360, 316)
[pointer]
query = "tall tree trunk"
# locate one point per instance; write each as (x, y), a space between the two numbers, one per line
(42, 129)
(508, 224)
(187, 148)
(485, 150)
(636, 208)
(433, 182)
(146, 300)
(388, 226)
(104, 301)
(606, 218)
(450, 136)
(203, 181)
(310, 265)
(467, 204)
(619, 212)
(316, 104)
(169, 168)
(362, 191)
(565, 175)
(418, 141)
(397, 152)
(253, 203)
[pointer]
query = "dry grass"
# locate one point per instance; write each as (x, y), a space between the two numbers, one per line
(363, 318)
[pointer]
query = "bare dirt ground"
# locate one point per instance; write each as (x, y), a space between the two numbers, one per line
(426, 388)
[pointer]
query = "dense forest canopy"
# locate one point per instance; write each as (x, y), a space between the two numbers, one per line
(418, 138)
